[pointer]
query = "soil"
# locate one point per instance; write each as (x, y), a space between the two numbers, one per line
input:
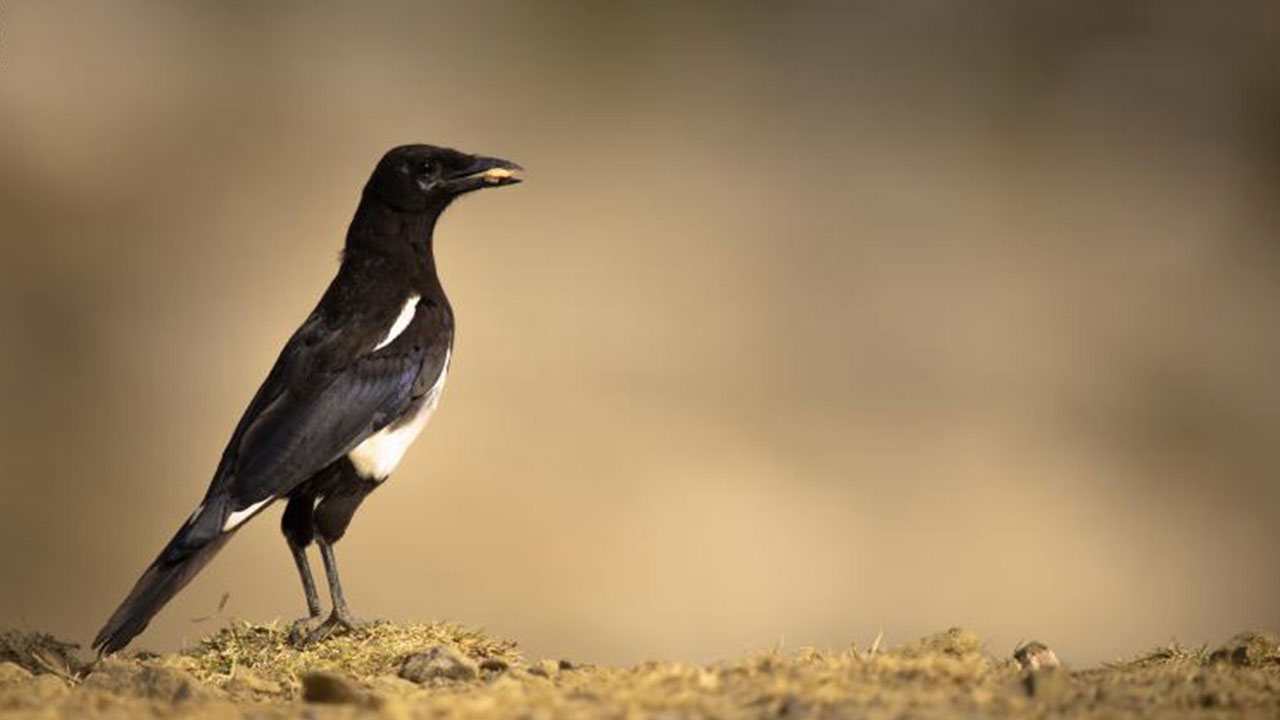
(448, 671)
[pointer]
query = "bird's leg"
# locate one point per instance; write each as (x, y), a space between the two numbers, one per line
(308, 584)
(340, 609)
(303, 627)
(341, 617)
(330, 519)
(299, 532)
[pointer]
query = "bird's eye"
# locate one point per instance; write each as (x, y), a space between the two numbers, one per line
(426, 168)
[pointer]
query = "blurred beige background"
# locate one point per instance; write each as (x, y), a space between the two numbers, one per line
(811, 319)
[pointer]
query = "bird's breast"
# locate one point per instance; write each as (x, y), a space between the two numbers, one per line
(379, 454)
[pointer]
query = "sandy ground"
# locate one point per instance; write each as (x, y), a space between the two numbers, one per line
(441, 670)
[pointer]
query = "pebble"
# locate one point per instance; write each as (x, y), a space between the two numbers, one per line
(437, 663)
(320, 686)
(1035, 655)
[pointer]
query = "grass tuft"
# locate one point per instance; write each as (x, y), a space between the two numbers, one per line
(264, 653)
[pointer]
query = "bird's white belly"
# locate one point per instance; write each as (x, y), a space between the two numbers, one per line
(381, 452)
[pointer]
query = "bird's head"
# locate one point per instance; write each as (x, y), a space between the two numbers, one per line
(422, 178)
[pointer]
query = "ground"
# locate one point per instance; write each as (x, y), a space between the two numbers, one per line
(448, 671)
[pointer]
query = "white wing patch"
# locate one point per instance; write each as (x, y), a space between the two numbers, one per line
(235, 519)
(402, 321)
(381, 452)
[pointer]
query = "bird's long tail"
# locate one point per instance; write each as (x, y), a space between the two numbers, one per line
(182, 559)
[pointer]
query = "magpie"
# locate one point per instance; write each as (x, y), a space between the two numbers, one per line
(353, 387)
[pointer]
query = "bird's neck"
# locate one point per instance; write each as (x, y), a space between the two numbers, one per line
(397, 242)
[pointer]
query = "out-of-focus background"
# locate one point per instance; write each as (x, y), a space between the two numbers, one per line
(811, 319)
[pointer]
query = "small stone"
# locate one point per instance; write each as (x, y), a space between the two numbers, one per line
(319, 686)
(1035, 656)
(1248, 649)
(437, 663)
(494, 665)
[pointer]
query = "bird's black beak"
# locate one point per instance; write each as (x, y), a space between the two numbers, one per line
(483, 172)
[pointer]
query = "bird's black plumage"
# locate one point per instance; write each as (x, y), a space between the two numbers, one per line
(350, 390)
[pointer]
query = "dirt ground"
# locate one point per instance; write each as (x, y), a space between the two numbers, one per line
(446, 671)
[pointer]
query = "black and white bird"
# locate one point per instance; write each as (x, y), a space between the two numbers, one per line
(350, 391)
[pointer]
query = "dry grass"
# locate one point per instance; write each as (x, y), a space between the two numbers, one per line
(264, 653)
(246, 670)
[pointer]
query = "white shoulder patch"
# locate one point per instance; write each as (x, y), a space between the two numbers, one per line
(237, 518)
(402, 321)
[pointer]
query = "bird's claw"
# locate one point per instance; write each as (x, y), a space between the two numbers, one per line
(300, 630)
(338, 622)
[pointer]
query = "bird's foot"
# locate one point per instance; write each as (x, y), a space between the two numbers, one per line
(300, 630)
(339, 621)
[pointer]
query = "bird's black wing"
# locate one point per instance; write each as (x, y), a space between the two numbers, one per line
(328, 392)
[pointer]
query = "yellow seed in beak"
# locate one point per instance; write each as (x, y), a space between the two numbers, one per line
(494, 175)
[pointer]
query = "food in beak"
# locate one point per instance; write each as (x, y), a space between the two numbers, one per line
(496, 175)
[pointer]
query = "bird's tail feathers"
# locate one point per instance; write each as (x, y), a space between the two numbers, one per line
(194, 545)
